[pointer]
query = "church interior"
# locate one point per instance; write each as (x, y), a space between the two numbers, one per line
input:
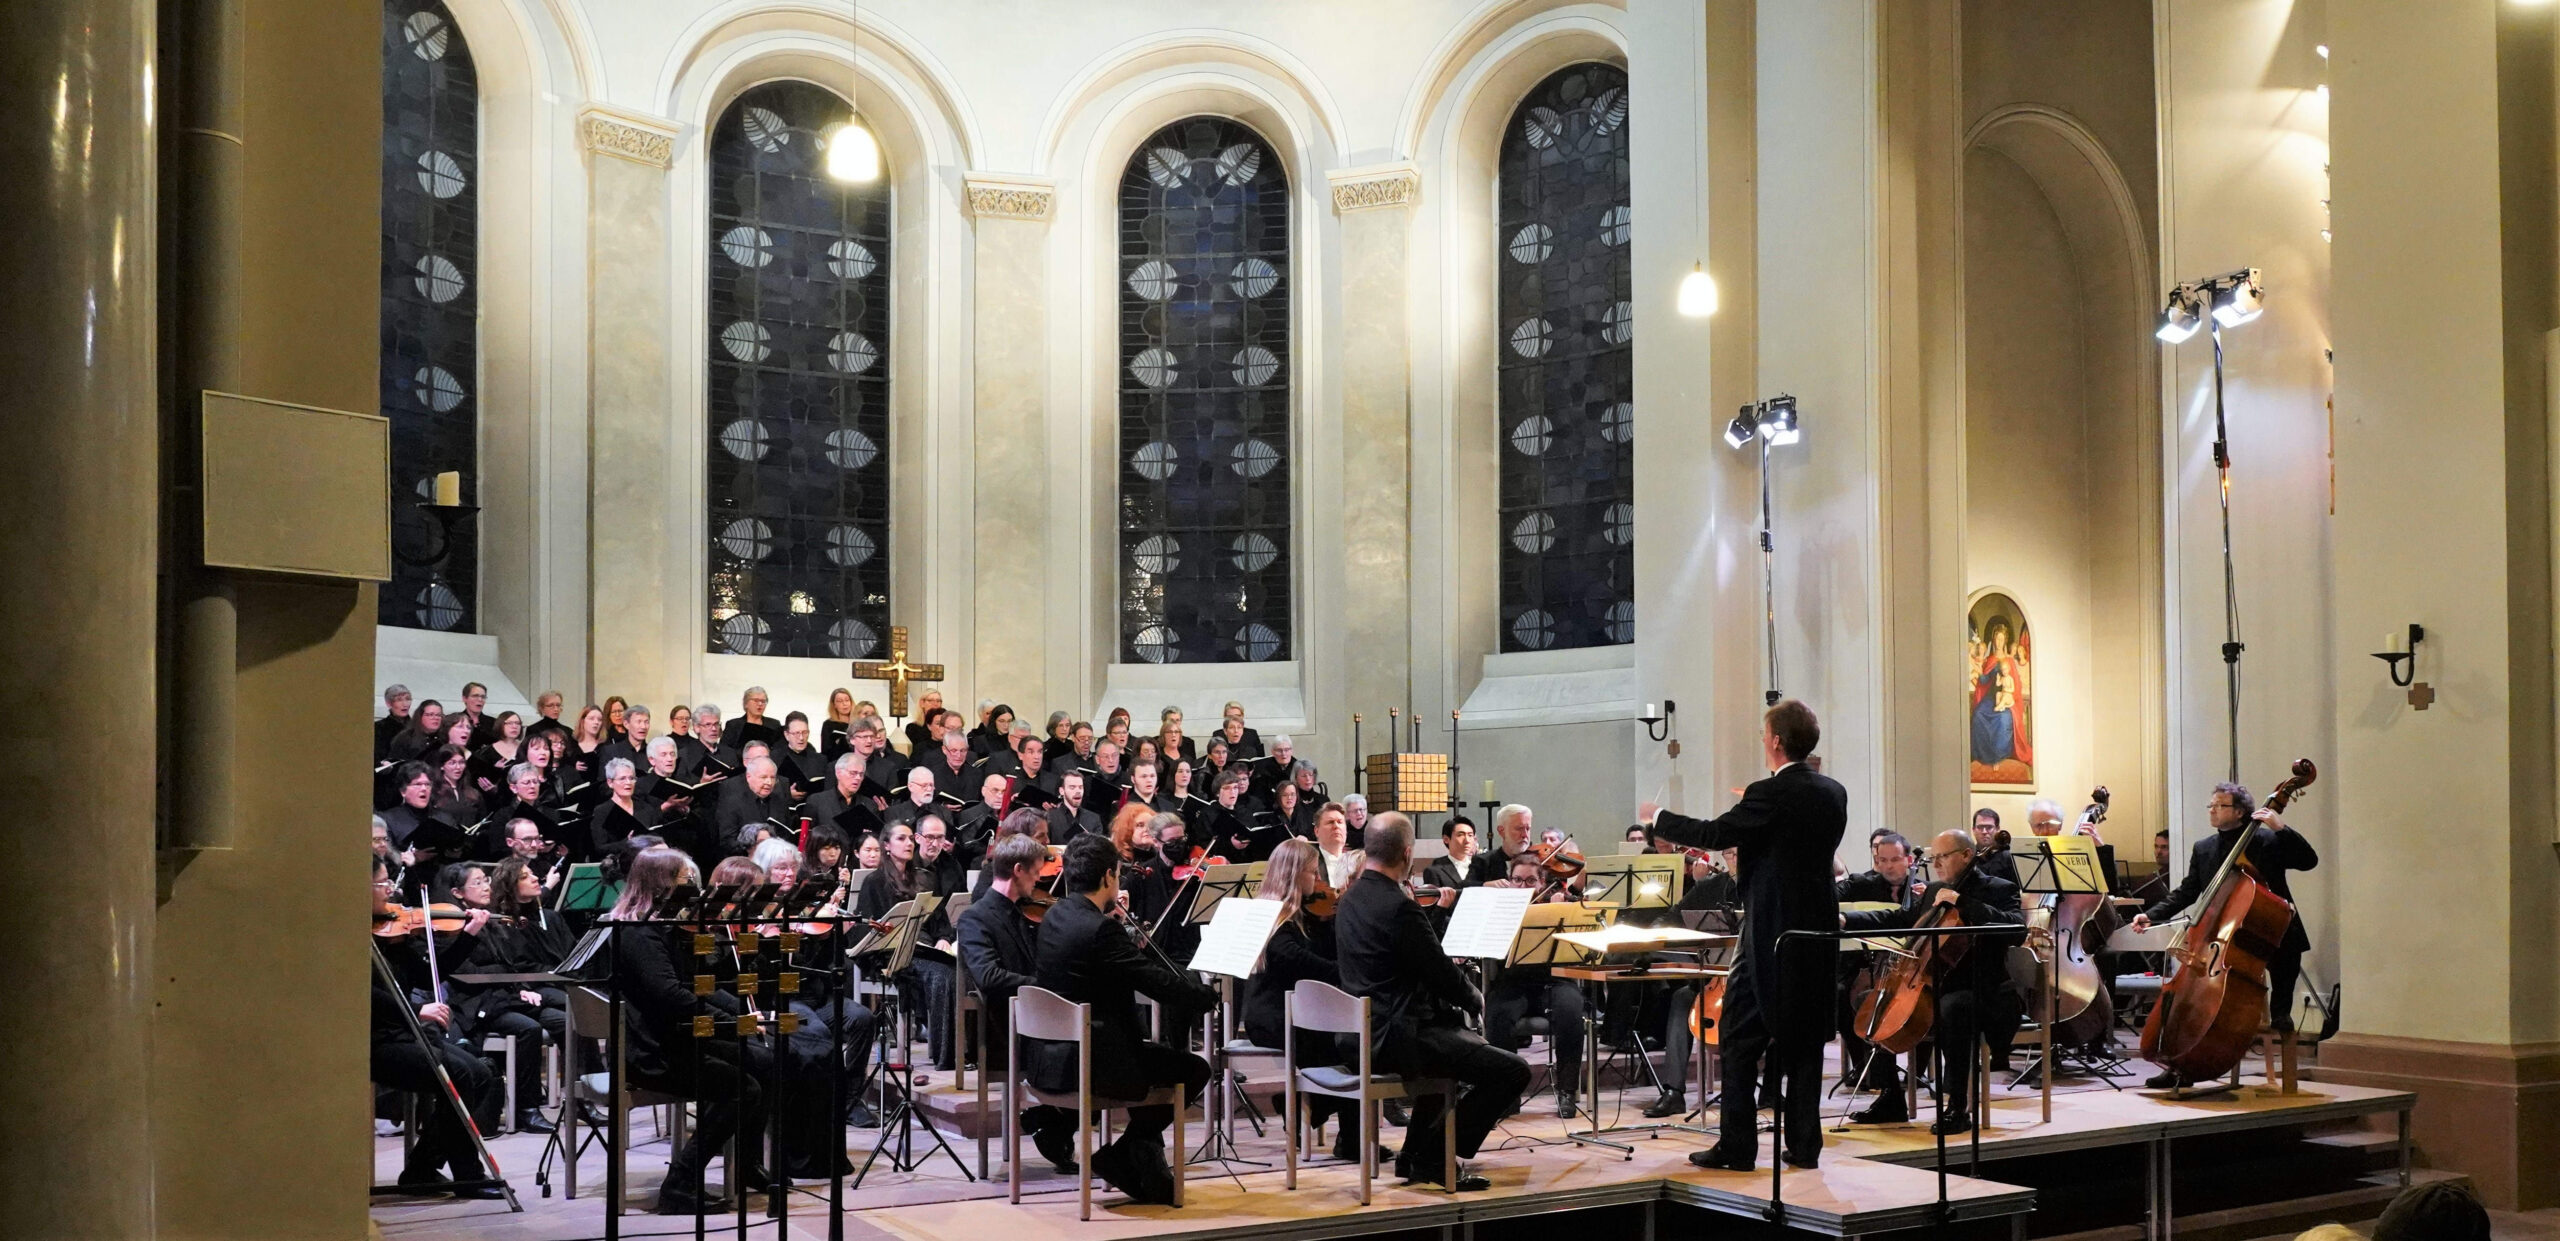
(908, 465)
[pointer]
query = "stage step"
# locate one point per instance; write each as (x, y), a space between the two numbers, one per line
(2281, 1219)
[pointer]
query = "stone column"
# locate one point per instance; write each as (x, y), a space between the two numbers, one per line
(79, 461)
(637, 591)
(1376, 206)
(1012, 550)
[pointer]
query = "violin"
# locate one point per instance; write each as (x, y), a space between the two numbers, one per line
(1323, 902)
(402, 920)
(1200, 860)
(1035, 904)
(1562, 863)
(2209, 1012)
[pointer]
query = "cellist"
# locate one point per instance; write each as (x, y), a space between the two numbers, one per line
(1974, 992)
(2274, 851)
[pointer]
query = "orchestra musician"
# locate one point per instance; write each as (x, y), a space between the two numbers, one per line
(1419, 1001)
(1332, 832)
(1990, 851)
(1087, 957)
(1302, 948)
(1000, 946)
(1460, 865)
(534, 1020)
(1973, 996)
(1785, 831)
(2274, 851)
(925, 985)
(1519, 991)
(1711, 886)
(1890, 880)
(398, 1061)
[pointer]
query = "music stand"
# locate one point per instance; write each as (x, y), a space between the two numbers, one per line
(2054, 867)
(1228, 952)
(1634, 881)
(901, 932)
(1537, 941)
(1218, 884)
(584, 890)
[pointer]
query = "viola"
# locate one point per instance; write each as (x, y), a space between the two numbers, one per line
(2209, 1012)
(403, 920)
(1323, 902)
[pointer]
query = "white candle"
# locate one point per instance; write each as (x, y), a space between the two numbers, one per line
(1488, 790)
(1648, 713)
(449, 488)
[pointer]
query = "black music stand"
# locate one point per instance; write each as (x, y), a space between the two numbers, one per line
(899, 939)
(2052, 872)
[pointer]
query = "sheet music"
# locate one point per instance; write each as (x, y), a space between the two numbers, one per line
(1485, 922)
(1233, 940)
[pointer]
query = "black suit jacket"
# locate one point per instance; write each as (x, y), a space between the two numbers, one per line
(1982, 899)
(2274, 854)
(1869, 885)
(1785, 832)
(1386, 951)
(1001, 951)
(1087, 958)
(1443, 873)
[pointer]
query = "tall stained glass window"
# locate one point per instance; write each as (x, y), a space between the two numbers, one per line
(1567, 389)
(1204, 397)
(430, 308)
(799, 400)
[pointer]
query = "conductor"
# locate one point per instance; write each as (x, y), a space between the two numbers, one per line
(1785, 830)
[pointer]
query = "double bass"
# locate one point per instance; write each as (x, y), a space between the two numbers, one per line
(2210, 1011)
(2074, 925)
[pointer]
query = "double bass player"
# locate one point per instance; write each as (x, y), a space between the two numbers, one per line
(2274, 850)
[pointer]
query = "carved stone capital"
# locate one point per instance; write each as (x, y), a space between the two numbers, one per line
(633, 136)
(1004, 196)
(1378, 185)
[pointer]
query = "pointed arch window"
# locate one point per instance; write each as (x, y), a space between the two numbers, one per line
(1567, 390)
(798, 459)
(430, 307)
(1205, 384)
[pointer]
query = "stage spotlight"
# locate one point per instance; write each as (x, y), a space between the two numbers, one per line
(2179, 319)
(1778, 421)
(1738, 432)
(2238, 298)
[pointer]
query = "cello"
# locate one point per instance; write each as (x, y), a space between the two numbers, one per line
(2209, 1013)
(1898, 1013)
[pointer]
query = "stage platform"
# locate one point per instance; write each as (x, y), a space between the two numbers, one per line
(1871, 1181)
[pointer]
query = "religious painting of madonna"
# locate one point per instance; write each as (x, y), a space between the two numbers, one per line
(1999, 695)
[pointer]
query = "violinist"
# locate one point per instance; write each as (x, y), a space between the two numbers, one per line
(1511, 828)
(1302, 948)
(1332, 829)
(1973, 994)
(1087, 958)
(925, 985)
(1991, 846)
(1420, 1003)
(1000, 945)
(724, 1077)
(2274, 850)
(1785, 831)
(818, 960)
(398, 1061)
(1524, 990)
(534, 1021)
(1460, 865)
(1020, 821)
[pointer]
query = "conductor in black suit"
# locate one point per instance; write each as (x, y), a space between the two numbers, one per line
(1088, 958)
(1418, 1002)
(1785, 831)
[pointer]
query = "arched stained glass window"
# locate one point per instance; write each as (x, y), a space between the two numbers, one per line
(430, 308)
(1567, 388)
(1204, 397)
(799, 369)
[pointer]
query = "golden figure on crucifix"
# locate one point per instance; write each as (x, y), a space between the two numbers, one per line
(897, 671)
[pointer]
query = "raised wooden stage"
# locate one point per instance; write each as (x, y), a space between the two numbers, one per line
(1871, 1180)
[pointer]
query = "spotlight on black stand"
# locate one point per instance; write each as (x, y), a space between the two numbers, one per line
(2212, 304)
(1773, 424)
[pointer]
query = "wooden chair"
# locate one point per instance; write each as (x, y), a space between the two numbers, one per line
(1043, 1014)
(1328, 1009)
(591, 1017)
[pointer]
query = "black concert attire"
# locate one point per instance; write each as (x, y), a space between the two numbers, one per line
(1088, 958)
(956, 781)
(385, 731)
(532, 945)
(1997, 863)
(1303, 949)
(610, 825)
(739, 812)
(925, 985)
(834, 738)
(1418, 999)
(805, 767)
(400, 1063)
(1519, 991)
(1000, 952)
(1973, 995)
(908, 811)
(724, 1077)
(1065, 824)
(410, 742)
(737, 732)
(1443, 872)
(1785, 831)
(2274, 855)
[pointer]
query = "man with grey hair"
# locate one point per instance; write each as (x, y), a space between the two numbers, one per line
(750, 805)
(395, 704)
(1512, 826)
(918, 802)
(633, 744)
(693, 751)
(1420, 1003)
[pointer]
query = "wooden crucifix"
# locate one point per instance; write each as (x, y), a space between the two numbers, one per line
(897, 672)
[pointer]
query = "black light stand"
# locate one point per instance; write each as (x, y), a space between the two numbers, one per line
(1769, 423)
(2214, 303)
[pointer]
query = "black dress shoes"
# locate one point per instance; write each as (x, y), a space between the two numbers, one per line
(1566, 1105)
(531, 1120)
(1886, 1110)
(1469, 1182)
(1949, 1124)
(2165, 1079)
(1719, 1158)
(1669, 1103)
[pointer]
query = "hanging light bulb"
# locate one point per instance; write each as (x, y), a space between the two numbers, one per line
(852, 153)
(1698, 293)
